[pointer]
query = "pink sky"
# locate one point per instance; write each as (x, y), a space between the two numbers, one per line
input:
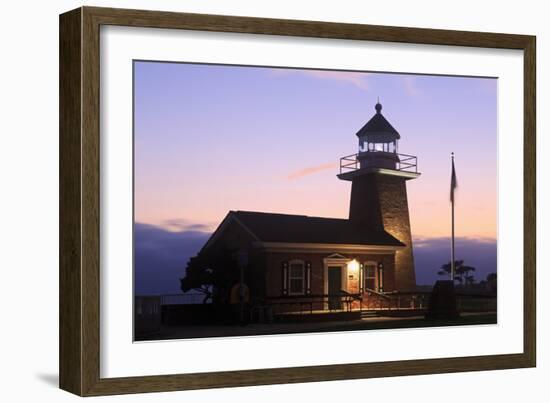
(209, 139)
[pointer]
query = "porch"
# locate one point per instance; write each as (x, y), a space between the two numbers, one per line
(369, 304)
(341, 306)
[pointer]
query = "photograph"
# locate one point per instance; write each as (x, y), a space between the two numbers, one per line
(292, 200)
(276, 200)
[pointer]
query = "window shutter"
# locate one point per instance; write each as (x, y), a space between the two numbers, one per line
(284, 278)
(381, 279)
(308, 278)
(361, 279)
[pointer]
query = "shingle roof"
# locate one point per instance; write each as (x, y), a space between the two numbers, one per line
(378, 125)
(270, 227)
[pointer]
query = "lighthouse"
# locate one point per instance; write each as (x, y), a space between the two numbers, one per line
(379, 175)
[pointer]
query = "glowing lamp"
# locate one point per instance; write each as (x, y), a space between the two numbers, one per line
(353, 266)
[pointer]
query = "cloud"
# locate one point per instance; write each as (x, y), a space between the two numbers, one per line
(181, 224)
(311, 170)
(356, 79)
(431, 253)
(160, 257)
(410, 83)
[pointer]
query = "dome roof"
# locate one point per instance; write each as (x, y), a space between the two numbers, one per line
(379, 126)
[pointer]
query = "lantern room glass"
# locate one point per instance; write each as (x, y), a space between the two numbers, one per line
(366, 146)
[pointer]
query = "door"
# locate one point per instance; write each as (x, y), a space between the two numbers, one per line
(334, 287)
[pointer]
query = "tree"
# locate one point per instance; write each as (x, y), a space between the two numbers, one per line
(198, 277)
(211, 274)
(463, 274)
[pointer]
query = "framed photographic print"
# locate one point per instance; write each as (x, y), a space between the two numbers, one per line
(297, 201)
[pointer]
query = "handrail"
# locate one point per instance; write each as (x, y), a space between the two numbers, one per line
(378, 293)
(357, 297)
(405, 162)
(341, 294)
(309, 300)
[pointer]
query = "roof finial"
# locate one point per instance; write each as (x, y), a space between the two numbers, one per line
(378, 106)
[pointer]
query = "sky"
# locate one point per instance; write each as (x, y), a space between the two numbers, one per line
(213, 138)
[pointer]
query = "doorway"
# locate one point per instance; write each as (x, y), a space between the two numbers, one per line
(334, 287)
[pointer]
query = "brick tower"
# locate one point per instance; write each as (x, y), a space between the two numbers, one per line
(379, 193)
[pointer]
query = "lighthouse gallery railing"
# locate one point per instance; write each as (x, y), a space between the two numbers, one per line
(406, 163)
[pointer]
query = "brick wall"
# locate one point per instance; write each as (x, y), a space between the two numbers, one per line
(274, 266)
(380, 201)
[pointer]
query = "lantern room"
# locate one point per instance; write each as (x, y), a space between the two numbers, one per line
(378, 142)
(378, 152)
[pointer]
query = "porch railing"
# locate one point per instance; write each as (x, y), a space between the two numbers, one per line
(419, 300)
(303, 304)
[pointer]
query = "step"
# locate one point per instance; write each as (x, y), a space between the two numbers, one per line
(369, 314)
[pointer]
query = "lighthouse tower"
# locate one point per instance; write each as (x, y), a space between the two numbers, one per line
(379, 193)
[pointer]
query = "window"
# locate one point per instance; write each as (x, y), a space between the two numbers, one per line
(370, 276)
(296, 277)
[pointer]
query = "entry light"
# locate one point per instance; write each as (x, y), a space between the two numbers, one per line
(353, 266)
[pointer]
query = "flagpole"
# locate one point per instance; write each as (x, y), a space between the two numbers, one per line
(453, 223)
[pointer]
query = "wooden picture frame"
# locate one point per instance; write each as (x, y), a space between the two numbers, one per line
(80, 199)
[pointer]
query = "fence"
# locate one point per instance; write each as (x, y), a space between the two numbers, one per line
(420, 300)
(182, 299)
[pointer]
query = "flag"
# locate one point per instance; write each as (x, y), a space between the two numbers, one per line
(454, 183)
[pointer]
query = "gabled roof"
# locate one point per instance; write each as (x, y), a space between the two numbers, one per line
(378, 125)
(270, 227)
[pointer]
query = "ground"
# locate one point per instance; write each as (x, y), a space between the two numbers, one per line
(195, 331)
